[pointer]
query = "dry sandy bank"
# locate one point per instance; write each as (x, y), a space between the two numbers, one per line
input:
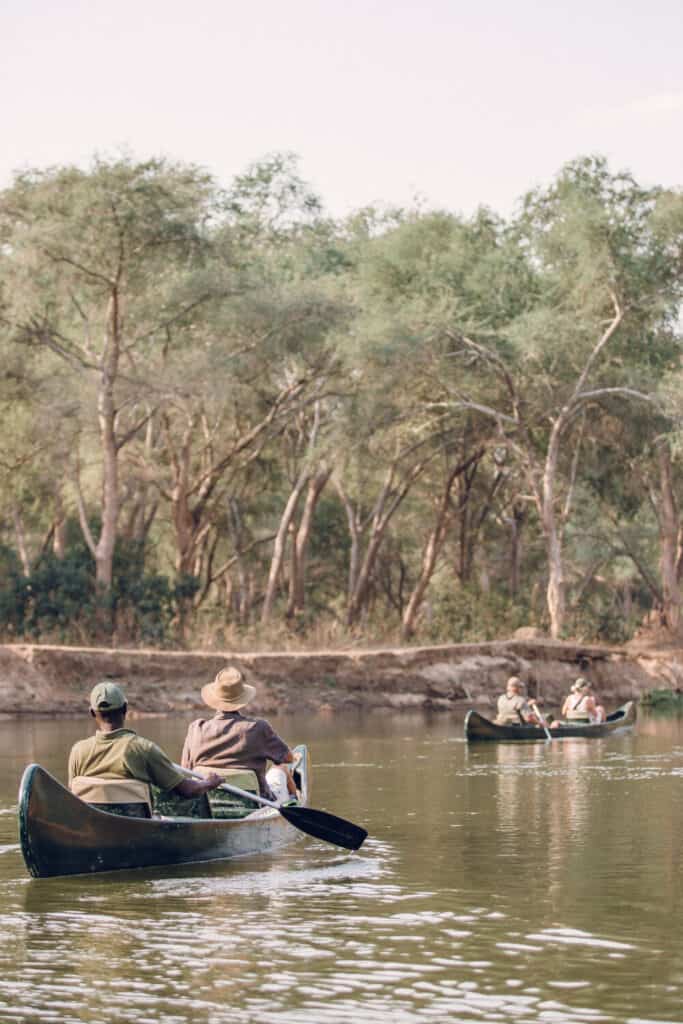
(55, 680)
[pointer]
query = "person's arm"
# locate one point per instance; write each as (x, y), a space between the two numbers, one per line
(195, 787)
(186, 759)
(273, 746)
(523, 711)
(591, 705)
(168, 776)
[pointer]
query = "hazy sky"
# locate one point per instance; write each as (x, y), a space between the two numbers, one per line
(461, 103)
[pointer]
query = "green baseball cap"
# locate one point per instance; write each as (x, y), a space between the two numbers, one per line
(107, 697)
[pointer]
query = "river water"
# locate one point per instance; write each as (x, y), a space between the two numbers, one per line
(500, 883)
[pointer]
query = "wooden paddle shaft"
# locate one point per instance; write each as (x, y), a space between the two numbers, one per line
(542, 719)
(230, 789)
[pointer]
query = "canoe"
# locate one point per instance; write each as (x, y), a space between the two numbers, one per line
(62, 835)
(479, 728)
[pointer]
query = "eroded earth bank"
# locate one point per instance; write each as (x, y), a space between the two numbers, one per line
(56, 680)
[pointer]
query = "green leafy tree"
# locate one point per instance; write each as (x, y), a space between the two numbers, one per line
(100, 265)
(590, 332)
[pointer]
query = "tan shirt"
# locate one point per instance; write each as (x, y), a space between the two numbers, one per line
(508, 708)
(122, 754)
(231, 740)
(579, 709)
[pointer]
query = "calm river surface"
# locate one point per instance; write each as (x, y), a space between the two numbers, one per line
(500, 883)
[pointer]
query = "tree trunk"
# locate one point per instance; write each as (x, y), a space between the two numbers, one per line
(669, 527)
(280, 545)
(21, 541)
(297, 580)
(242, 593)
(59, 535)
(517, 520)
(555, 592)
(355, 526)
(142, 507)
(433, 546)
(429, 556)
(389, 500)
(553, 540)
(102, 550)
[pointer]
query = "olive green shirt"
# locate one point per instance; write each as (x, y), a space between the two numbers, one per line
(122, 754)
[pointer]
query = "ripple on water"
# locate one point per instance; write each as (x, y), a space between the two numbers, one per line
(572, 937)
(425, 923)
(303, 878)
(324, 966)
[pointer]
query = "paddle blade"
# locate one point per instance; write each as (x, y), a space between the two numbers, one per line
(325, 826)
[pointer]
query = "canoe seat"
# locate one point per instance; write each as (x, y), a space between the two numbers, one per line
(129, 798)
(230, 805)
(169, 804)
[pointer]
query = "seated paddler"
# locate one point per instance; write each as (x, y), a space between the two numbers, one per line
(231, 740)
(513, 706)
(114, 768)
(581, 705)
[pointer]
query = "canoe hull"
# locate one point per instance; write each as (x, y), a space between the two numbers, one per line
(62, 835)
(479, 728)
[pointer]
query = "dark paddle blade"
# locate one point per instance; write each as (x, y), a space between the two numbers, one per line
(325, 826)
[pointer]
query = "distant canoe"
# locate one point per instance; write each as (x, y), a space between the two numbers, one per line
(62, 835)
(479, 728)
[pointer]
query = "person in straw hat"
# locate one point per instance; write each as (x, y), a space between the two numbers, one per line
(231, 739)
(581, 705)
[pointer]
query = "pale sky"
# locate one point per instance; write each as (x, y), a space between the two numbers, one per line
(462, 103)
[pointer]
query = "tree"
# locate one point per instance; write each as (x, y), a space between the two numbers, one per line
(101, 265)
(597, 320)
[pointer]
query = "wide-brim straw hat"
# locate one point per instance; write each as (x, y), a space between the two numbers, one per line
(229, 691)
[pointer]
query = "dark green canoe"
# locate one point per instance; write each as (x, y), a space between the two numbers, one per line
(62, 835)
(479, 728)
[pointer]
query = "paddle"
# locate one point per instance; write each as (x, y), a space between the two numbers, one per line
(320, 824)
(541, 719)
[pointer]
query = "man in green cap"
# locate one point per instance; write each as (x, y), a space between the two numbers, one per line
(116, 752)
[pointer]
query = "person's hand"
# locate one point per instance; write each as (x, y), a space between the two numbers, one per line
(213, 780)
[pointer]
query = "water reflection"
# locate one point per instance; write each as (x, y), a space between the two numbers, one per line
(514, 883)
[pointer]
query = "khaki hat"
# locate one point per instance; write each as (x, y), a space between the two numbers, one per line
(107, 697)
(515, 681)
(228, 691)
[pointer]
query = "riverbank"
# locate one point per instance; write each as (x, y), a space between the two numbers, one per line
(43, 679)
